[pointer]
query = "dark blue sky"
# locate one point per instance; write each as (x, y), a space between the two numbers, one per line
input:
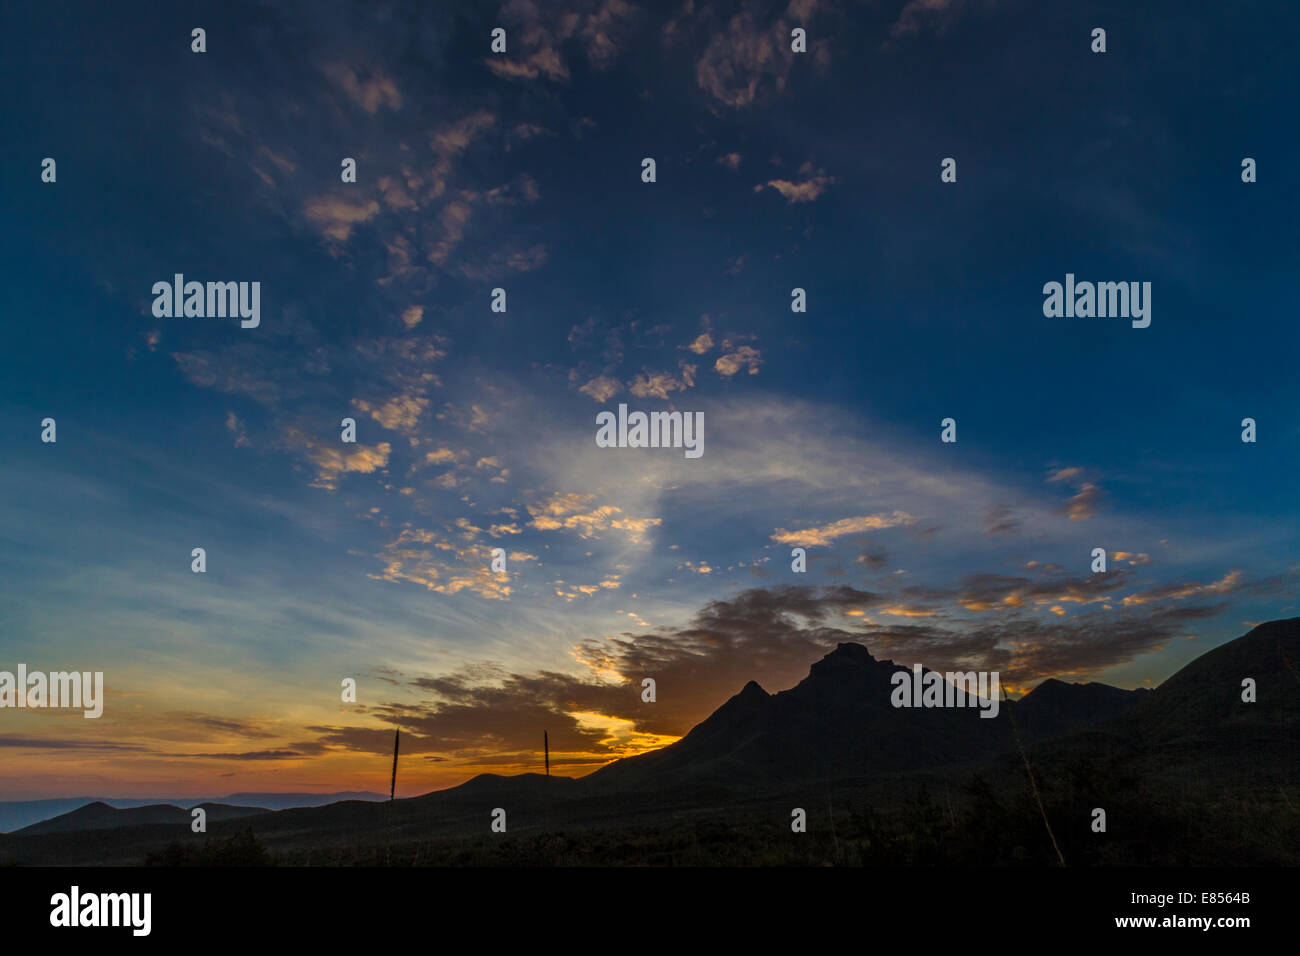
(475, 429)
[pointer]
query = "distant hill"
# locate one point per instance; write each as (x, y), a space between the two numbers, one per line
(490, 784)
(100, 816)
(16, 814)
(1055, 707)
(285, 801)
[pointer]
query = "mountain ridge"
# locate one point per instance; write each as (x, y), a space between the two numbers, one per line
(101, 816)
(18, 814)
(837, 728)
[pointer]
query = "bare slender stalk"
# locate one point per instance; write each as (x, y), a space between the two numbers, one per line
(830, 815)
(1033, 784)
(392, 792)
(397, 737)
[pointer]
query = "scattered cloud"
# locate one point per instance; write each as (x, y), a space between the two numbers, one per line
(371, 91)
(806, 190)
(661, 384)
(1065, 474)
(1083, 505)
(236, 427)
(744, 357)
(400, 413)
(822, 536)
(744, 60)
(570, 512)
(602, 388)
(1232, 581)
(336, 216)
(701, 343)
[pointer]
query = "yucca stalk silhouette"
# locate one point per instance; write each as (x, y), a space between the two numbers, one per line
(392, 789)
(1033, 784)
(392, 792)
(546, 797)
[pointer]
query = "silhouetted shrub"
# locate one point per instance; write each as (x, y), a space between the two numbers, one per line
(238, 849)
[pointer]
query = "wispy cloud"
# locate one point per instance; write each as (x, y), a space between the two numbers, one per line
(822, 536)
(805, 190)
(371, 90)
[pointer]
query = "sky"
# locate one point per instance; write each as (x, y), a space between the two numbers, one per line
(475, 429)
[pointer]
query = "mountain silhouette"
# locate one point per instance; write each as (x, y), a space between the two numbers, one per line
(100, 816)
(839, 722)
(495, 784)
(1196, 722)
(16, 814)
(286, 801)
(1163, 760)
(1055, 707)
